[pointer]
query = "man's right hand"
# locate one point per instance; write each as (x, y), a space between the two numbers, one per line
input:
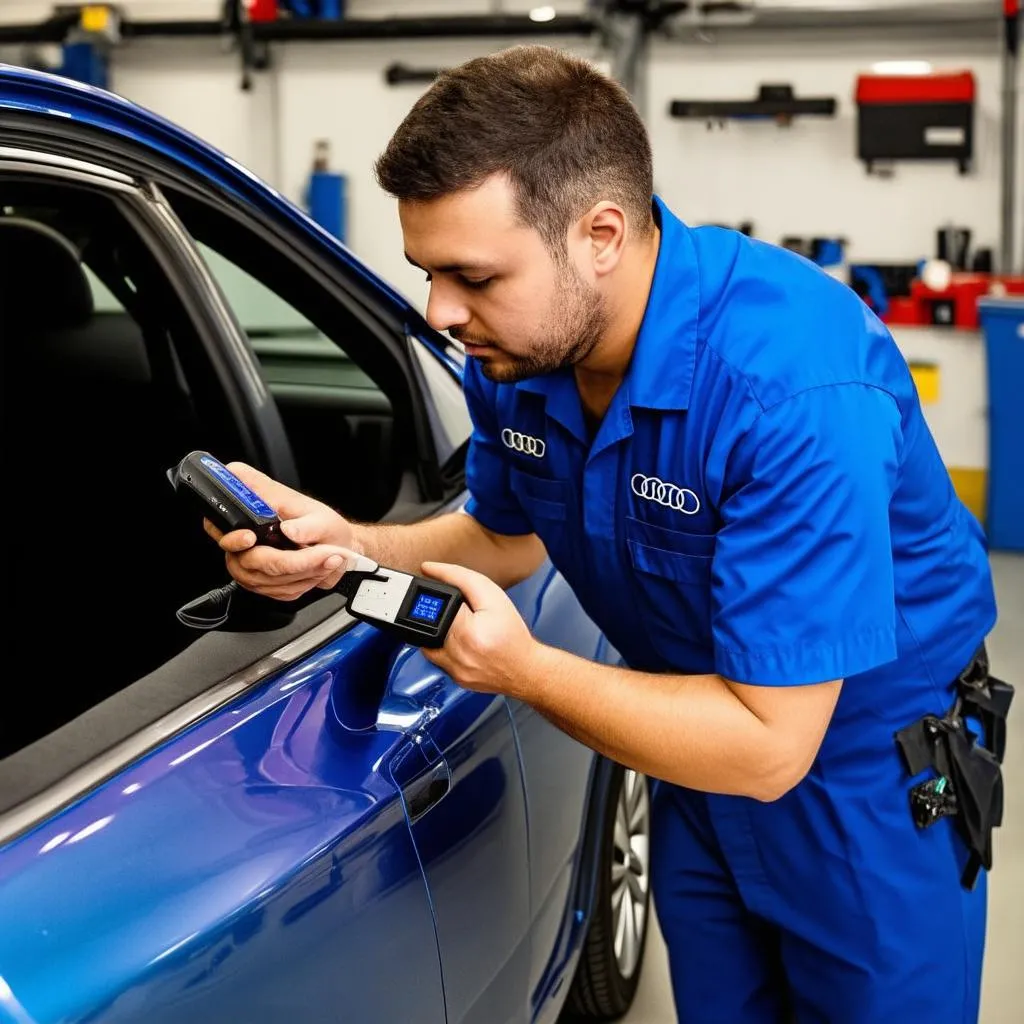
(325, 542)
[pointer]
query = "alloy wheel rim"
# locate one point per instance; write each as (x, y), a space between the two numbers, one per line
(631, 871)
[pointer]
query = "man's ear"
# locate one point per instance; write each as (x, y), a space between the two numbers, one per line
(604, 226)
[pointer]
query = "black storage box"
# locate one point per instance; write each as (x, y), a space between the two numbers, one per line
(916, 117)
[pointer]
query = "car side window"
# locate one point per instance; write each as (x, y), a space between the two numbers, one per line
(98, 402)
(261, 312)
(103, 299)
(325, 367)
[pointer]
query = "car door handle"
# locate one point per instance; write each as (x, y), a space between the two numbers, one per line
(423, 792)
(421, 774)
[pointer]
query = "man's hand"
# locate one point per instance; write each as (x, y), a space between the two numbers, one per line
(699, 731)
(488, 648)
(325, 540)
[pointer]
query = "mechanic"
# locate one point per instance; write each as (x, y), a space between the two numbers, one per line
(722, 451)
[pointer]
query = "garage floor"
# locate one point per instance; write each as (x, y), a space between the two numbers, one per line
(1003, 987)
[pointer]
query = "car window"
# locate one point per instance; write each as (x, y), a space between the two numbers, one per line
(338, 389)
(101, 363)
(269, 320)
(261, 312)
(103, 299)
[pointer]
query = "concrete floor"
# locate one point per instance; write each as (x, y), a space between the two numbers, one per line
(1003, 984)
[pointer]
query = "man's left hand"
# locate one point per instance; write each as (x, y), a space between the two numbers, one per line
(488, 648)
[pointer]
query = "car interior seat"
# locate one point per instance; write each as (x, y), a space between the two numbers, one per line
(99, 550)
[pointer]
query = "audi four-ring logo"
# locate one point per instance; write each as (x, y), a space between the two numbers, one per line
(523, 443)
(682, 499)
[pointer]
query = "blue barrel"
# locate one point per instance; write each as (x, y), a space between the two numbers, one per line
(1002, 320)
(85, 62)
(325, 197)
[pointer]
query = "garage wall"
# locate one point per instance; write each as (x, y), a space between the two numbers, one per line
(804, 179)
(801, 180)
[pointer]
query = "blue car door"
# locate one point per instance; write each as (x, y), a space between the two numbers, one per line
(496, 797)
(256, 866)
(557, 775)
(463, 792)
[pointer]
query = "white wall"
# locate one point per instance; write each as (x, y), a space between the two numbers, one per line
(801, 180)
(26, 11)
(804, 179)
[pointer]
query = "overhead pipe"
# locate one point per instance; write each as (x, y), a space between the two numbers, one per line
(717, 14)
(452, 27)
(54, 30)
(1010, 178)
(965, 15)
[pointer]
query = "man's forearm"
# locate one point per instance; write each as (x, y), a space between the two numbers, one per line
(457, 538)
(689, 730)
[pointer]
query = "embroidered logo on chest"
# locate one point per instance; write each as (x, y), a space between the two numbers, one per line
(650, 488)
(523, 443)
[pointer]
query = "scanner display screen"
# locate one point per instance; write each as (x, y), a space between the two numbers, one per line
(427, 607)
(252, 501)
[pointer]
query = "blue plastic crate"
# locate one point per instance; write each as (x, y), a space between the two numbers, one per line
(1002, 320)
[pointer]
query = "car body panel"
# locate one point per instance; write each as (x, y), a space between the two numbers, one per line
(496, 823)
(557, 776)
(356, 835)
(176, 886)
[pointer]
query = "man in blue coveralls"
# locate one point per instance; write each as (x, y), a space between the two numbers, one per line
(722, 451)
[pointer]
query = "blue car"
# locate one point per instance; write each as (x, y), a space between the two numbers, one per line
(292, 817)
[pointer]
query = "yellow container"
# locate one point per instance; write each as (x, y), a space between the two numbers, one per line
(926, 380)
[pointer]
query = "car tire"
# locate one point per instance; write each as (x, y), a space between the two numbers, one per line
(613, 953)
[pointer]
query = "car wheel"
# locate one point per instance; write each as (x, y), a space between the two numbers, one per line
(613, 953)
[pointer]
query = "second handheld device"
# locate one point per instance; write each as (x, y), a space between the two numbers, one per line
(418, 609)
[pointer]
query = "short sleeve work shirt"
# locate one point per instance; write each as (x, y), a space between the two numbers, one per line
(762, 499)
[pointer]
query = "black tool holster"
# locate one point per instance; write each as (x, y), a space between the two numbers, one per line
(969, 780)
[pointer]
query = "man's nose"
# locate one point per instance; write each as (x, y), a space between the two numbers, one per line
(444, 309)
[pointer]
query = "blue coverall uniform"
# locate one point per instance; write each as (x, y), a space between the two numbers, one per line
(764, 500)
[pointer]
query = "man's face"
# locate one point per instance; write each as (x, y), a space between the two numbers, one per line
(496, 288)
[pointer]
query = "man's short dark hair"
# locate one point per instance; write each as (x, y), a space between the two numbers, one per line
(566, 135)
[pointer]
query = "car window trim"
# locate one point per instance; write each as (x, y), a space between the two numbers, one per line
(254, 412)
(16, 158)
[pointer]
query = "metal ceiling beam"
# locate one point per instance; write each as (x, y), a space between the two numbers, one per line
(965, 16)
(54, 30)
(454, 27)
(674, 18)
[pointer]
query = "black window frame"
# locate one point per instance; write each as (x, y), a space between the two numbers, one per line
(79, 141)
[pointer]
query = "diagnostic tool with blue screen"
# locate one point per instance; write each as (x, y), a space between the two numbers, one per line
(427, 607)
(225, 500)
(418, 609)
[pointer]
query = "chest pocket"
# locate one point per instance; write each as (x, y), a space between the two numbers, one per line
(546, 504)
(673, 576)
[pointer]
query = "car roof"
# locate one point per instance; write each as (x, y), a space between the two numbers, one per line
(53, 96)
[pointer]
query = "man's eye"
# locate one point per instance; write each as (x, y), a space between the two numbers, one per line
(470, 283)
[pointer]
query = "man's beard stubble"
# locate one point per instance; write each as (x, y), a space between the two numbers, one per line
(579, 321)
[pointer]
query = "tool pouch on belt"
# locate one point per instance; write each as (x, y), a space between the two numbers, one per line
(969, 781)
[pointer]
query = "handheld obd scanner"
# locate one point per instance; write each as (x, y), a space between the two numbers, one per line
(418, 610)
